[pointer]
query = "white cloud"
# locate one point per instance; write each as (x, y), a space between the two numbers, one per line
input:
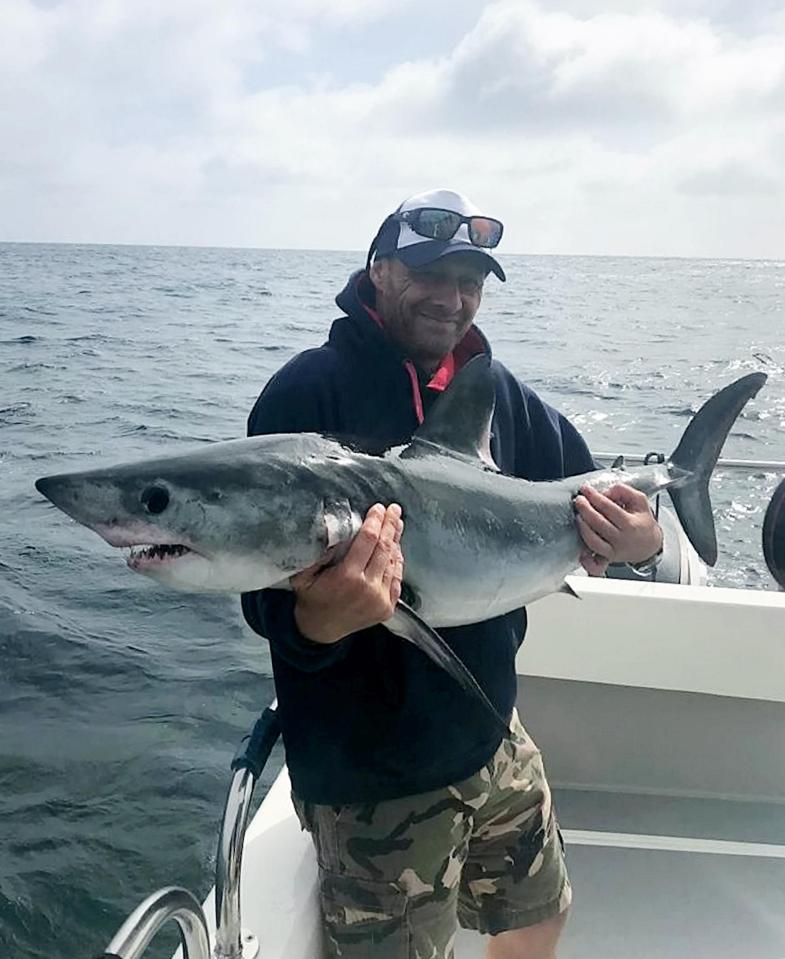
(630, 130)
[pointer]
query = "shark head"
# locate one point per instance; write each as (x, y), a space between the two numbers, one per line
(229, 517)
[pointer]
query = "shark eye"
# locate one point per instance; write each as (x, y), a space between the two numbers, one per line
(155, 499)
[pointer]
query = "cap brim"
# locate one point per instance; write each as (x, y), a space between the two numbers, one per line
(421, 254)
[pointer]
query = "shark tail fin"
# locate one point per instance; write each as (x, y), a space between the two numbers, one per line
(696, 456)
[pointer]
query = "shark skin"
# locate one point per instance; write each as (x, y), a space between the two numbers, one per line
(248, 514)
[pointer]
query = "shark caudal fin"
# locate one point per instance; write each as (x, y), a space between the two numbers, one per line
(697, 455)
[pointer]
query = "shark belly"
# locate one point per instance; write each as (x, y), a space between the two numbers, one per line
(506, 584)
(471, 558)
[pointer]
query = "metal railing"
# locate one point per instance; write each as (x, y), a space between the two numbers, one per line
(231, 940)
(133, 937)
(771, 466)
(172, 902)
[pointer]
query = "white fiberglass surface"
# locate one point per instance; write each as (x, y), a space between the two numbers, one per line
(727, 642)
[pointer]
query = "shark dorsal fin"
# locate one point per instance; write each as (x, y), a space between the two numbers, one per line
(460, 421)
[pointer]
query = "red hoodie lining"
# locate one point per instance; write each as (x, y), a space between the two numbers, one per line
(416, 394)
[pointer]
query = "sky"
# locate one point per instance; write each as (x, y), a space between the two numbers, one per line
(620, 128)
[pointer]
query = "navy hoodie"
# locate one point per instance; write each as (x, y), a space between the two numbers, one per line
(370, 717)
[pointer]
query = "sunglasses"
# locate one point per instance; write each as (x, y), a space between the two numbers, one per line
(437, 224)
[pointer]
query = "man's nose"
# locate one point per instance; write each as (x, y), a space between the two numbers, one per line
(447, 294)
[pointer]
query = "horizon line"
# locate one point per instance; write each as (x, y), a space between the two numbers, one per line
(362, 254)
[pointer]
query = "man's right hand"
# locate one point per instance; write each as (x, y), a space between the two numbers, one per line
(360, 591)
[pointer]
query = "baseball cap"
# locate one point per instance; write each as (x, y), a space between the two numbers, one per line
(422, 230)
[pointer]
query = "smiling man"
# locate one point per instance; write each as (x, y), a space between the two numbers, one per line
(422, 814)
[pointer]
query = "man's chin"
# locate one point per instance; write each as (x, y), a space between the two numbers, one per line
(431, 355)
(430, 340)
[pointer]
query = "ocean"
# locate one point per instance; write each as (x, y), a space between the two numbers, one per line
(121, 704)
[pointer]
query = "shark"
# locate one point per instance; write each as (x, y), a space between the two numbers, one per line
(248, 514)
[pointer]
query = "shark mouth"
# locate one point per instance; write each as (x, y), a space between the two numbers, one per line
(148, 557)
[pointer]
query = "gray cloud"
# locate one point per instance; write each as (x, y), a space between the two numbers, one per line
(730, 179)
(621, 76)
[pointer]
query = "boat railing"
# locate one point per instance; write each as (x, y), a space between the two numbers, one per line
(751, 466)
(231, 940)
(172, 902)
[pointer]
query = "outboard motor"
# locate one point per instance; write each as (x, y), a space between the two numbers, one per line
(774, 535)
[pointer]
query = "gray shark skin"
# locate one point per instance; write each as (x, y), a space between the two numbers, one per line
(247, 514)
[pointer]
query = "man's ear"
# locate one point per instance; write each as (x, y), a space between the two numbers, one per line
(378, 274)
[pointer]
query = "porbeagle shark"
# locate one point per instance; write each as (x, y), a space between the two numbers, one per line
(248, 514)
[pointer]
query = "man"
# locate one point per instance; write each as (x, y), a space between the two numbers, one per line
(421, 813)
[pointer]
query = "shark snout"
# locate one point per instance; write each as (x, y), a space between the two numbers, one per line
(82, 498)
(60, 490)
(99, 506)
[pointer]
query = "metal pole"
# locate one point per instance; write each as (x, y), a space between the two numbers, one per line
(228, 867)
(172, 902)
(773, 466)
(231, 940)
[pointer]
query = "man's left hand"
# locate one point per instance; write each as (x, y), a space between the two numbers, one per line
(617, 527)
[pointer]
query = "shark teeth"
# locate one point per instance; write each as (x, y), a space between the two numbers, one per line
(158, 551)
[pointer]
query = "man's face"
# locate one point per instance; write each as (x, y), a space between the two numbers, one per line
(427, 311)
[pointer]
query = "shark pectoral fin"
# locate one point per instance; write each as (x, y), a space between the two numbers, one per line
(566, 588)
(408, 625)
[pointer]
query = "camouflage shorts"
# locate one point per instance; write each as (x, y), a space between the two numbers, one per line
(397, 877)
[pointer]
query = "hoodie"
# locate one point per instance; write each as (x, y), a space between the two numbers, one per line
(370, 717)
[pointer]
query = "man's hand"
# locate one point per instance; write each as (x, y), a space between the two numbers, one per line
(617, 527)
(361, 590)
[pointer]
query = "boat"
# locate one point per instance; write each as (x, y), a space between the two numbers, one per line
(660, 711)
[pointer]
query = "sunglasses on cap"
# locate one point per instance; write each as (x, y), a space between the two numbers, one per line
(438, 224)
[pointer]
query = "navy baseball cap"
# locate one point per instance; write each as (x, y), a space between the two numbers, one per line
(425, 228)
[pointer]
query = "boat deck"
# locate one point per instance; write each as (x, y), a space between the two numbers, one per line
(654, 878)
(668, 904)
(665, 877)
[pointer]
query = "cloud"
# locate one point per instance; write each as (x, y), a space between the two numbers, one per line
(585, 131)
(730, 179)
(524, 69)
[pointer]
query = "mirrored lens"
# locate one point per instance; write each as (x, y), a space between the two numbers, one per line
(438, 224)
(484, 232)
